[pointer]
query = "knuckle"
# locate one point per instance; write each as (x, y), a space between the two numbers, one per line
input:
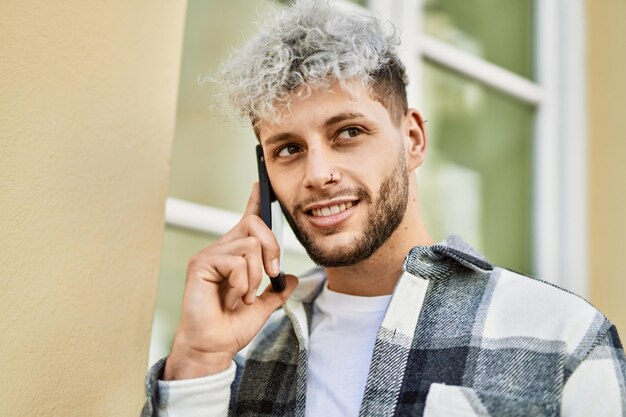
(252, 222)
(239, 263)
(247, 221)
(194, 262)
(253, 243)
(257, 221)
(201, 257)
(271, 251)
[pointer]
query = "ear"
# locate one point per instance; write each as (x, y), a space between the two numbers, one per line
(415, 137)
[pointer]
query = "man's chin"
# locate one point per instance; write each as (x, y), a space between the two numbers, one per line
(334, 252)
(339, 241)
(330, 247)
(332, 260)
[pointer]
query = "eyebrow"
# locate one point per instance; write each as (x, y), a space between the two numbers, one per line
(280, 137)
(285, 136)
(341, 117)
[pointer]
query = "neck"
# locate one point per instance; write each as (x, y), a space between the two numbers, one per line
(378, 274)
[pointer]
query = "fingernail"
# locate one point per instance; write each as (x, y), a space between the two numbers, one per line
(275, 267)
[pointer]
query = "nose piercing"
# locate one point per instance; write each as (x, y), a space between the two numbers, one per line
(331, 176)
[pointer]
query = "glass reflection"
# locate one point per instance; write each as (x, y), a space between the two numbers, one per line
(476, 181)
(498, 31)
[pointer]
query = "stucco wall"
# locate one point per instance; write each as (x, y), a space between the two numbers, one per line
(606, 89)
(87, 109)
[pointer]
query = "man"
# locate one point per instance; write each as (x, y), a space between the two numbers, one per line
(393, 324)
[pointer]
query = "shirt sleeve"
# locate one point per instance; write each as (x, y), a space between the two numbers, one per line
(597, 385)
(205, 396)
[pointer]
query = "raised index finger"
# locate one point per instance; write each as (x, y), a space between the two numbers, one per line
(254, 201)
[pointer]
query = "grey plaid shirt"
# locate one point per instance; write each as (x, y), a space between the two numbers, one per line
(459, 338)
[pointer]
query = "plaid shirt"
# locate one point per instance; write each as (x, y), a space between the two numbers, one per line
(460, 337)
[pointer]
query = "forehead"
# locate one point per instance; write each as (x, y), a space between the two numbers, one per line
(317, 108)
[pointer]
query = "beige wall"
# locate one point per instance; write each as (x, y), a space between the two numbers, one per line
(87, 107)
(606, 89)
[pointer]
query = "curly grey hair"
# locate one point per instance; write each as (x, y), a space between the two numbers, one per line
(312, 44)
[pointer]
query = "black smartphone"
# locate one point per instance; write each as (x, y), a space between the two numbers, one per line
(267, 198)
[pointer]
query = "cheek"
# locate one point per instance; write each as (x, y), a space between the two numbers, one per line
(371, 170)
(285, 190)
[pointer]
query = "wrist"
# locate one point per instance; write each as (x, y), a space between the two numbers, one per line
(187, 363)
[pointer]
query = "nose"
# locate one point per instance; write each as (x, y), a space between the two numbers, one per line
(321, 169)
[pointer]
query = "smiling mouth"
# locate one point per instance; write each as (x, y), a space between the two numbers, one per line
(331, 210)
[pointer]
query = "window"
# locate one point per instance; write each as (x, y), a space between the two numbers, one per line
(500, 84)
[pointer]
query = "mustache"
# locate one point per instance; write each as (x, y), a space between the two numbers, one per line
(359, 192)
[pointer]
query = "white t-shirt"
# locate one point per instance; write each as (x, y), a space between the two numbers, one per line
(342, 336)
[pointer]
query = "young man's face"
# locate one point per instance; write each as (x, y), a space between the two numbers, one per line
(337, 165)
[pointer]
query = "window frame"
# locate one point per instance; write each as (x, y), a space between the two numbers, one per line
(559, 181)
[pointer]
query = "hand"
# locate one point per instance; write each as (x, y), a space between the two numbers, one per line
(221, 313)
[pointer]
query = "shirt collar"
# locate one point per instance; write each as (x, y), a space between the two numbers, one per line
(438, 261)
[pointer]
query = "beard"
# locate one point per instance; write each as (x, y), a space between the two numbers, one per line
(383, 218)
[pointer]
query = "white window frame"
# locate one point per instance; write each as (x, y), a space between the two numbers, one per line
(560, 253)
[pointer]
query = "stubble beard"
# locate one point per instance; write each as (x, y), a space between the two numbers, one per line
(384, 217)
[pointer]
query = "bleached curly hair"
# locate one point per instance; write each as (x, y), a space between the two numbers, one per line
(312, 44)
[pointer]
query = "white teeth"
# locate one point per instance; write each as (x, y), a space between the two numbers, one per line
(328, 211)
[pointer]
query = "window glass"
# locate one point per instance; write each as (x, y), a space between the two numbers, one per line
(498, 31)
(476, 181)
(213, 157)
(360, 2)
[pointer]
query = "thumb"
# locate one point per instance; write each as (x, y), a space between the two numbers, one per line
(272, 300)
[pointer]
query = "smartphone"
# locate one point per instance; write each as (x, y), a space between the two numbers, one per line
(267, 198)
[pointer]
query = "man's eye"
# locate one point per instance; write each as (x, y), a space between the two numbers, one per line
(348, 133)
(287, 151)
